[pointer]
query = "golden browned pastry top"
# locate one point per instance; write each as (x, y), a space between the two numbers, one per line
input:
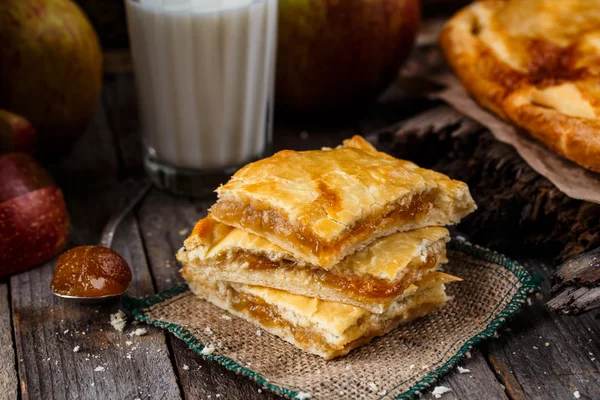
(535, 63)
(325, 204)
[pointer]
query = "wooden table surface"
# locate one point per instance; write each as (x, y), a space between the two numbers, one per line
(538, 355)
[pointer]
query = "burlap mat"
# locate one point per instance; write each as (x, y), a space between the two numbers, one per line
(397, 365)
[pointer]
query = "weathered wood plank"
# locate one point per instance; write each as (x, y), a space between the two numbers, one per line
(543, 355)
(479, 383)
(120, 101)
(48, 329)
(8, 369)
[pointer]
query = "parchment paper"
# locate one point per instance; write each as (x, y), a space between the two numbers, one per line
(571, 179)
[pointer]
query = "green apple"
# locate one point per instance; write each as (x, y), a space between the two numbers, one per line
(332, 53)
(50, 69)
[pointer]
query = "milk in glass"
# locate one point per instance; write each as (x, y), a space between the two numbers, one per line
(204, 74)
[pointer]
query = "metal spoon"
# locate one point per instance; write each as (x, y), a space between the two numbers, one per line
(134, 191)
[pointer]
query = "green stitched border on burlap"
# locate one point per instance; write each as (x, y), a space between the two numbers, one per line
(528, 286)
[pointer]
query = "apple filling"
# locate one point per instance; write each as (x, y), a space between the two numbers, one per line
(366, 328)
(267, 316)
(364, 286)
(264, 220)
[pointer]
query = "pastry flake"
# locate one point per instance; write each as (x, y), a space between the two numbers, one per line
(323, 205)
(534, 63)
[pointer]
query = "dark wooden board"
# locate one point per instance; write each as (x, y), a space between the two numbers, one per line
(479, 383)
(529, 368)
(8, 371)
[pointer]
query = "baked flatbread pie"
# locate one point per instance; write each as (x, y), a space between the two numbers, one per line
(535, 63)
(371, 278)
(323, 205)
(324, 328)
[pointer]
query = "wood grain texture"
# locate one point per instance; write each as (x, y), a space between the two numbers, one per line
(48, 329)
(543, 355)
(8, 371)
(478, 383)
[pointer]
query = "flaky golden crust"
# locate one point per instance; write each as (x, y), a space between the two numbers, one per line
(326, 329)
(534, 63)
(325, 204)
(371, 278)
(385, 258)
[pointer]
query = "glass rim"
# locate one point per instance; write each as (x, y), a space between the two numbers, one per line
(139, 4)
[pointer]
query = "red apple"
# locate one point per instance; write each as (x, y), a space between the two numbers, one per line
(333, 53)
(50, 69)
(16, 133)
(34, 224)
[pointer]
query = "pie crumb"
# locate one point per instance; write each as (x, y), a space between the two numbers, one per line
(438, 391)
(99, 368)
(302, 396)
(183, 232)
(186, 367)
(75, 349)
(412, 366)
(373, 386)
(576, 394)
(208, 350)
(259, 333)
(462, 370)
(118, 320)
(140, 332)
(226, 317)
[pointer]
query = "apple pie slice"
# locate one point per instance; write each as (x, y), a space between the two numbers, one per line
(324, 328)
(534, 63)
(371, 278)
(323, 205)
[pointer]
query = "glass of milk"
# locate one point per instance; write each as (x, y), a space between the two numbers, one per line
(205, 75)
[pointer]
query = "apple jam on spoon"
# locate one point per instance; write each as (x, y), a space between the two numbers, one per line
(91, 274)
(91, 271)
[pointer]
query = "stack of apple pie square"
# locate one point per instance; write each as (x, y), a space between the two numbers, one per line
(327, 249)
